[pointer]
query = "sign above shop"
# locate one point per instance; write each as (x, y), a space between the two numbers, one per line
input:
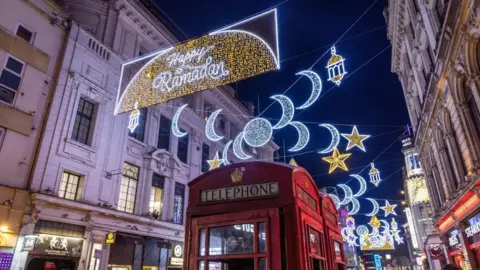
(110, 239)
(239, 192)
(222, 57)
(53, 245)
(177, 254)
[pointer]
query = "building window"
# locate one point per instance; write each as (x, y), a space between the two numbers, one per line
(57, 228)
(179, 199)
(83, 126)
(156, 196)
(207, 110)
(205, 157)
(182, 151)
(128, 189)
(10, 79)
(139, 132)
(164, 133)
(2, 136)
(70, 187)
(24, 34)
(473, 109)
(221, 125)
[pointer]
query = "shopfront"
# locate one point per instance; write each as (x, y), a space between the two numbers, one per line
(472, 233)
(455, 250)
(260, 216)
(54, 245)
(129, 251)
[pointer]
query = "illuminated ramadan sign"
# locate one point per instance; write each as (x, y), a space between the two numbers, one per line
(228, 55)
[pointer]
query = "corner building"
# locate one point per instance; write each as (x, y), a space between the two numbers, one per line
(32, 39)
(102, 197)
(435, 47)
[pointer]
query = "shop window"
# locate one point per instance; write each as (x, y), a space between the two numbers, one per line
(128, 188)
(156, 196)
(139, 132)
(24, 34)
(179, 201)
(58, 228)
(94, 261)
(182, 151)
(205, 157)
(10, 78)
(71, 186)
(84, 124)
(164, 133)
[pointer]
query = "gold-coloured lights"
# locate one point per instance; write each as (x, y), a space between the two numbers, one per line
(243, 56)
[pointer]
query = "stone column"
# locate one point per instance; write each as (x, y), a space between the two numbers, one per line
(449, 176)
(458, 168)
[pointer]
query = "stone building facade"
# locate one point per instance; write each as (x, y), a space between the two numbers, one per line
(435, 54)
(31, 46)
(102, 197)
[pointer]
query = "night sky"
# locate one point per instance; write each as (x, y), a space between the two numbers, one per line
(370, 97)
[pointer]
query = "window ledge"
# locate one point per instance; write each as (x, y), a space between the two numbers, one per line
(137, 141)
(81, 145)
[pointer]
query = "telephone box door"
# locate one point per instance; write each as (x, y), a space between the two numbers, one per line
(240, 240)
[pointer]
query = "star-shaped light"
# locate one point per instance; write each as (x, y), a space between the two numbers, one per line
(337, 160)
(355, 139)
(215, 162)
(389, 209)
(293, 162)
(395, 232)
(399, 240)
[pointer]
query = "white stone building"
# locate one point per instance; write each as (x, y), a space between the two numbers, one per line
(31, 45)
(92, 177)
(435, 47)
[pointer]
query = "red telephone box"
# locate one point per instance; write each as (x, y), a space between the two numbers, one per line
(259, 216)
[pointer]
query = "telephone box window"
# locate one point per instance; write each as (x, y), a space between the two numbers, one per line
(233, 239)
(261, 237)
(202, 243)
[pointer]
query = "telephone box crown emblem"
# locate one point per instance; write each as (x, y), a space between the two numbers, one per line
(237, 175)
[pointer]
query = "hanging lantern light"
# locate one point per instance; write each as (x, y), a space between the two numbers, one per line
(374, 175)
(133, 118)
(336, 67)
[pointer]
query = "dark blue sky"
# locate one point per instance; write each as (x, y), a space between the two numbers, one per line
(371, 97)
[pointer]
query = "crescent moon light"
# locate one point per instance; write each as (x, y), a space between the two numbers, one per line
(237, 147)
(303, 136)
(335, 138)
(288, 110)
(175, 130)
(363, 185)
(355, 207)
(335, 200)
(348, 194)
(385, 223)
(257, 132)
(316, 87)
(225, 153)
(376, 207)
(210, 127)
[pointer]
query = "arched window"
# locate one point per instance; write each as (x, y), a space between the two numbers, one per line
(473, 109)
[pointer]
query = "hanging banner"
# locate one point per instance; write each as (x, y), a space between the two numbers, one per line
(225, 56)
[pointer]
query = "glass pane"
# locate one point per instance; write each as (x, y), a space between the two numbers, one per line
(261, 237)
(201, 247)
(232, 264)
(6, 95)
(314, 240)
(24, 33)
(233, 239)
(201, 265)
(317, 264)
(10, 79)
(262, 264)
(14, 65)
